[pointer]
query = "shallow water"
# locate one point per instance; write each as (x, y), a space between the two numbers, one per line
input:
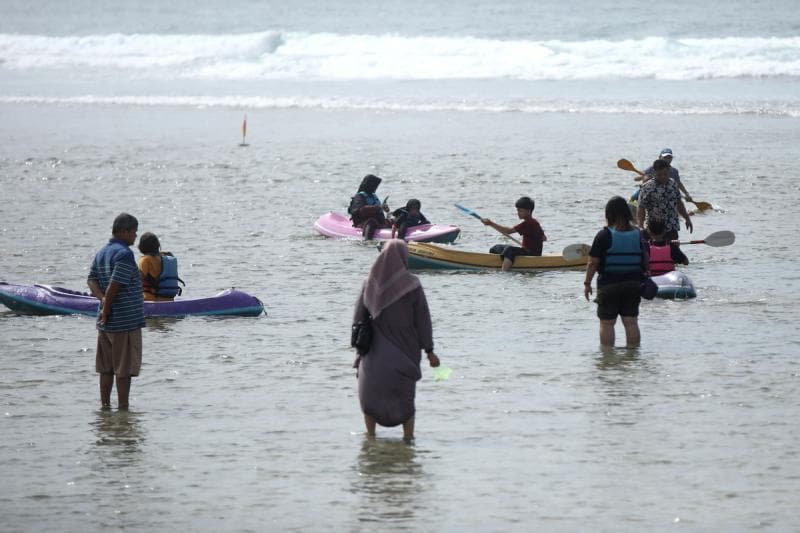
(253, 424)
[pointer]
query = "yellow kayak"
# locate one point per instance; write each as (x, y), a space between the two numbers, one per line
(432, 257)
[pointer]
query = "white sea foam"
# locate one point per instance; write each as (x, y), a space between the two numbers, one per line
(778, 109)
(273, 55)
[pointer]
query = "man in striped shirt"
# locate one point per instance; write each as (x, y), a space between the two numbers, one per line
(114, 280)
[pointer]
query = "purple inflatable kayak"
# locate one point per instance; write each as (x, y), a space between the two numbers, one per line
(47, 300)
(338, 226)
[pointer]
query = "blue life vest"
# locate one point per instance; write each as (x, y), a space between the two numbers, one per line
(168, 279)
(625, 254)
(372, 199)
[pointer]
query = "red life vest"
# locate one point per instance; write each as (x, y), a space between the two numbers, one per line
(661, 259)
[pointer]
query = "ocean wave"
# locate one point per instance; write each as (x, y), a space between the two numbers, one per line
(776, 109)
(275, 55)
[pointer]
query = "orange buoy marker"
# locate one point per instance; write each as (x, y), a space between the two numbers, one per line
(244, 132)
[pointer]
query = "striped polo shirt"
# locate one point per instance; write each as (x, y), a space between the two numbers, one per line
(115, 262)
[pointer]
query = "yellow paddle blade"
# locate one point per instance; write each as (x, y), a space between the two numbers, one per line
(703, 206)
(624, 164)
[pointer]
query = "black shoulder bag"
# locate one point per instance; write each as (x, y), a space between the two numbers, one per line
(361, 335)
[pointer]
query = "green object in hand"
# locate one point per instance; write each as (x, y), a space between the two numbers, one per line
(441, 373)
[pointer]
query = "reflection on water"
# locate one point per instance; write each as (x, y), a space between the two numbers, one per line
(163, 324)
(617, 358)
(389, 481)
(118, 437)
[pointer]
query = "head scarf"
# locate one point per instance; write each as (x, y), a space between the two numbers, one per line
(369, 184)
(389, 280)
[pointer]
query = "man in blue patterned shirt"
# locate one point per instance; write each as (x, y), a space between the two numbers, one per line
(114, 280)
(661, 200)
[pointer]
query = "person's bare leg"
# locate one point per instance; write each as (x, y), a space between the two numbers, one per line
(632, 335)
(408, 430)
(370, 423)
(607, 332)
(123, 391)
(106, 384)
(507, 264)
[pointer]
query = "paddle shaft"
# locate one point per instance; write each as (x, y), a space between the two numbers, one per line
(718, 238)
(472, 213)
(624, 164)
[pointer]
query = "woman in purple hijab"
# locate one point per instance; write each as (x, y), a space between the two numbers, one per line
(401, 328)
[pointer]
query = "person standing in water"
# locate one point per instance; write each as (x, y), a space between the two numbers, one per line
(619, 254)
(114, 280)
(661, 200)
(401, 327)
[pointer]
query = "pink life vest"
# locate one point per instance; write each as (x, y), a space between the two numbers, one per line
(661, 259)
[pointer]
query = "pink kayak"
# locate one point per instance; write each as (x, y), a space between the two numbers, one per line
(338, 226)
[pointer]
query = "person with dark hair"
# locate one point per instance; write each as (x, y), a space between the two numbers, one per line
(366, 209)
(663, 253)
(159, 270)
(388, 371)
(532, 233)
(661, 200)
(407, 217)
(666, 155)
(620, 256)
(114, 280)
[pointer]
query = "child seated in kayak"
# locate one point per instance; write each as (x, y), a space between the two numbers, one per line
(407, 217)
(663, 254)
(532, 234)
(366, 209)
(159, 270)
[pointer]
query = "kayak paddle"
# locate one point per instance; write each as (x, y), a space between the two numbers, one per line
(442, 373)
(624, 164)
(575, 251)
(472, 213)
(718, 238)
(701, 206)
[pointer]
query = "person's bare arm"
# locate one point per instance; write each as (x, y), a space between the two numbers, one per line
(591, 269)
(502, 229)
(640, 214)
(107, 300)
(94, 287)
(685, 214)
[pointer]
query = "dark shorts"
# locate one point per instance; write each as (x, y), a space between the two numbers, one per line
(618, 299)
(508, 252)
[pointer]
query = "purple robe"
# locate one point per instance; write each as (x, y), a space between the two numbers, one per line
(388, 372)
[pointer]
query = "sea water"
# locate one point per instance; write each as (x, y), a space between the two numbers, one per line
(253, 424)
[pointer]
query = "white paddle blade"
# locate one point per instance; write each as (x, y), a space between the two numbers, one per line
(575, 251)
(721, 238)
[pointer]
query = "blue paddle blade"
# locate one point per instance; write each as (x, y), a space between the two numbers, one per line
(468, 211)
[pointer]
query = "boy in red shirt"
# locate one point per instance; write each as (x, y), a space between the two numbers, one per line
(532, 234)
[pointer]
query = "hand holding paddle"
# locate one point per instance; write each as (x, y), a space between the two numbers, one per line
(718, 238)
(472, 213)
(624, 164)
(701, 206)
